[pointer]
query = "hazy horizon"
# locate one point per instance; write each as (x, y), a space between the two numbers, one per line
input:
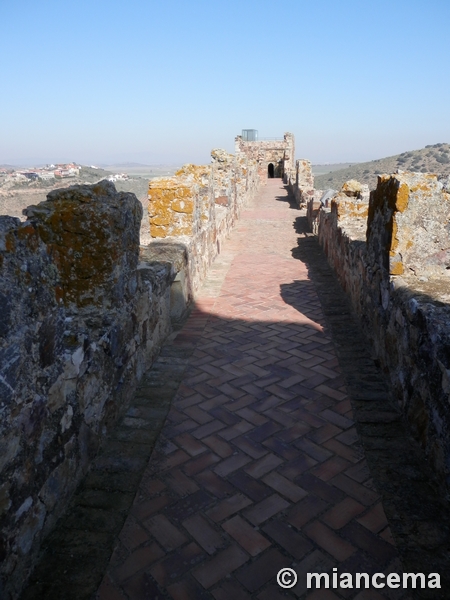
(165, 83)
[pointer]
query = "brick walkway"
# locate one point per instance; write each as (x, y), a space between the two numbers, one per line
(259, 465)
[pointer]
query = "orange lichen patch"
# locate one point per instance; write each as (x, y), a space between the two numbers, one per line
(26, 231)
(183, 206)
(29, 234)
(409, 244)
(396, 268)
(346, 207)
(78, 242)
(198, 172)
(157, 232)
(358, 212)
(10, 243)
(161, 219)
(402, 197)
(172, 203)
(165, 183)
(59, 293)
(422, 187)
(166, 195)
(394, 238)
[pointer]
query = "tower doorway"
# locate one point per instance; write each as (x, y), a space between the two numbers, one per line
(270, 171)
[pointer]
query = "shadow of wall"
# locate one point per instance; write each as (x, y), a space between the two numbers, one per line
(394, 265)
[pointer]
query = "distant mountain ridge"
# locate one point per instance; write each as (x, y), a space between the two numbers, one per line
(431, 159)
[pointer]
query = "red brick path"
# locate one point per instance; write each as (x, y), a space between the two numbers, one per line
(259, 465)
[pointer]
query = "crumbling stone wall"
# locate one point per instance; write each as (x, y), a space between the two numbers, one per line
(195, 210)
(392, 256)
(80, 320)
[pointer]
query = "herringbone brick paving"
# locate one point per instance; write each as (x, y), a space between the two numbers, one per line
(259, 465)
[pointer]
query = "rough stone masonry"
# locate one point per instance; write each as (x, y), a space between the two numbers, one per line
(83, 313)
(392, 256)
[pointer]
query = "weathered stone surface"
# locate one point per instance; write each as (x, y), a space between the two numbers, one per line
(195, 210)
(352, 188)
(280, 154)
(302, 182)
(92, 235)
(392, 258)
(81, 321)
(408, 223)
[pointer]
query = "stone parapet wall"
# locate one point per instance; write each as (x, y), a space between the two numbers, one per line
(81, 319)
(392, 257)
(196, 210)
(301, 182)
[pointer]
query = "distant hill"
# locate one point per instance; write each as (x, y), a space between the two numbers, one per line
(431, 159)
(90, 175)
(125, 164)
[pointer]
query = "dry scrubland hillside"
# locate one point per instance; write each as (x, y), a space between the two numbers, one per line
(431, 159)
(14, 199)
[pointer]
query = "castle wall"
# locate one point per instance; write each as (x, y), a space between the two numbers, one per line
(301, 182)
(392, 257)
(80, 321)
(281, 153)
(196, 209)
(83, 312)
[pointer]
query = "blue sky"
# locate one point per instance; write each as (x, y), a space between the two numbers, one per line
(165, 82)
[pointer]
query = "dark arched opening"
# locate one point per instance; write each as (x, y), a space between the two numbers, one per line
(270, 171)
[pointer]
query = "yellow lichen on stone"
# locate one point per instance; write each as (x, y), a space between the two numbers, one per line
(197, 172)
(348, 207)
(157, 232)
(183, 206)
(160, 219)
(421, 187)
(396, 268)
(394, 238)
(402, 197)
(171, 203)
(71, 233)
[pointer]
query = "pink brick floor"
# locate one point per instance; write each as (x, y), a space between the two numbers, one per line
(259, 465)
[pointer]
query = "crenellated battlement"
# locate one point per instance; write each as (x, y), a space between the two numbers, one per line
(391, 255)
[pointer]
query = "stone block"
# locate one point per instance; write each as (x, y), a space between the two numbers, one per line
(92, 234)
(407, 228)
(172, 206)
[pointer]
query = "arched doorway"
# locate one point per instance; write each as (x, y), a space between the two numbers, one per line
(270, 171)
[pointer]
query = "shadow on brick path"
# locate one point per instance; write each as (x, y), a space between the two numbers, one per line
(414, 502)
(256, 464)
